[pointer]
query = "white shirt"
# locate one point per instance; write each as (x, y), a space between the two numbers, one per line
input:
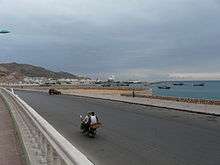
(93, 119)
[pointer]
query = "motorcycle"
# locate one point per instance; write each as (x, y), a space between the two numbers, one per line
(90, 130)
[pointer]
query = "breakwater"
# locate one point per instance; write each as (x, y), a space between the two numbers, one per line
(178, 99)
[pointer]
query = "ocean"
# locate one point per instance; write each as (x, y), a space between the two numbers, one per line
(210, 90)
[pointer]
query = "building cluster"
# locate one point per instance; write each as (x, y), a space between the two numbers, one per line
(110, 82)
(62, 81)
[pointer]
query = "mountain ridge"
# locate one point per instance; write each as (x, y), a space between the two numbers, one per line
(14, 72)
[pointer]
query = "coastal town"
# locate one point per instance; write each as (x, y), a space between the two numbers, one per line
(110, 82)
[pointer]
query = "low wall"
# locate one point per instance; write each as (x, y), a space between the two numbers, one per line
(42, 143)
(178, 99)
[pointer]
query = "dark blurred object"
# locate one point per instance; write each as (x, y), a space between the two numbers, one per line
(54, 92)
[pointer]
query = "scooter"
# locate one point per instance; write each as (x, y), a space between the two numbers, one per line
(91, 130)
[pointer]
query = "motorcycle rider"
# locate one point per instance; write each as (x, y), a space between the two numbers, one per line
(90, 121)
(93, 119)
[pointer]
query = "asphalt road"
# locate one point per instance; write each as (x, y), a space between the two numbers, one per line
(132, 134)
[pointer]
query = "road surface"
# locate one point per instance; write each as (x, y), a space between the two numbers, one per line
(132, 134)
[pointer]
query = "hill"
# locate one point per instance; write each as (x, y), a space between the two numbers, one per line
(14, 72)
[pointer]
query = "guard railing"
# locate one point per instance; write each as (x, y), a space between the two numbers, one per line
(41, 142)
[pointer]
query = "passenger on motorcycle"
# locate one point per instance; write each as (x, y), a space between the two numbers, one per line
(89, 121)
(85, 122)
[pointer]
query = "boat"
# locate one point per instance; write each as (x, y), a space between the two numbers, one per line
(106, 85)
(4, 31)
(200, 84)
(164, 87)
(180, 84)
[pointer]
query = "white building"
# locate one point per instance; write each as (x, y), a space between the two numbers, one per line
(35, 80)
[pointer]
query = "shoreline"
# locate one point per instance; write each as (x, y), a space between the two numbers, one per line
(116, 91)
(208, 93)
(184, 99)
(179, 99)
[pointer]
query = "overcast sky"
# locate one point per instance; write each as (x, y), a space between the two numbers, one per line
(131, 39)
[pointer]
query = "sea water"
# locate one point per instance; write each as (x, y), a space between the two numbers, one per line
(211, 89)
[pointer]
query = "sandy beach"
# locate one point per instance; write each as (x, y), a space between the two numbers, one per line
(71, 89)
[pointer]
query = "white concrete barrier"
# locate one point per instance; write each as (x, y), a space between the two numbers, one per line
(42, 143)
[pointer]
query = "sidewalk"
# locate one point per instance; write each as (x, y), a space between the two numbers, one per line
(190, 107)
(10, 152)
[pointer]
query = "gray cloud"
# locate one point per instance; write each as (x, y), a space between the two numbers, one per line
(113, 37)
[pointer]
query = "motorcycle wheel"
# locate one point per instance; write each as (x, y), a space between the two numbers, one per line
(92, 133)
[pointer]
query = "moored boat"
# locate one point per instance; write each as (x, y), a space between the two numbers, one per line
(163, 87)
(200, 84)
(180, 84)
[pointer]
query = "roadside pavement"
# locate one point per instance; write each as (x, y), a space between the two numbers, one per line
(10, 150)
(183, 106)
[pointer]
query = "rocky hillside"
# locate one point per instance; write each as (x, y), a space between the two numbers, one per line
(14, 72)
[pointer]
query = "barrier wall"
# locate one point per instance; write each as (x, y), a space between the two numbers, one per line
(41, 142)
